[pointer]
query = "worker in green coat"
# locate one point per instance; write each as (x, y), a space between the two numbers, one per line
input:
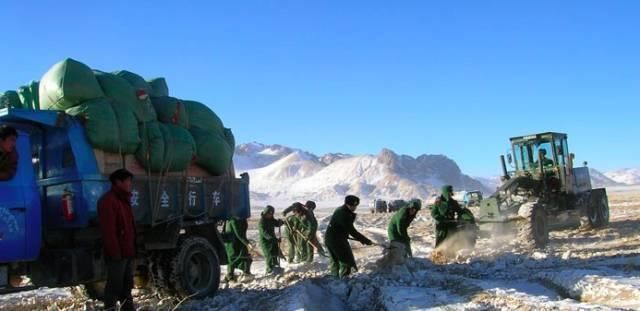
(445, 212)
(400, 222)
(269, 242)
(290, 227)
(313, 244)
(237, 248)
(302, 229)
(337, 238)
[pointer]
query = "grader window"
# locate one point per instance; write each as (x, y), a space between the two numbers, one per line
(527, 154)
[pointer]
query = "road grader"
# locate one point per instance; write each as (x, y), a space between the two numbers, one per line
(543, 192)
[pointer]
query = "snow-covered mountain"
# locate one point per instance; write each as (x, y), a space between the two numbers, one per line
(280, 173)
(598, 179)
(492, 182)
(627, 176)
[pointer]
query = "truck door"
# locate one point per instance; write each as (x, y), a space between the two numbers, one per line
(20, 214)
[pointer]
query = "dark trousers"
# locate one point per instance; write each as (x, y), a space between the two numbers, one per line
(119, 284)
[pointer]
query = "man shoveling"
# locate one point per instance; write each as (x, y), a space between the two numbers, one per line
(400, 247)
(455, 226)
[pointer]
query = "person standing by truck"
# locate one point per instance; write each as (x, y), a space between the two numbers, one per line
(118, 235)
(8, 153)
(237, 249)
(269, 242)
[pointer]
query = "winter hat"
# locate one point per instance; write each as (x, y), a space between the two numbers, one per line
(310, 205)
(297, 207)
(352, 200)
(268, 210)
(447, 191)
(415, 203)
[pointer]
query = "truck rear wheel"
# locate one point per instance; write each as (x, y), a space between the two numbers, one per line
(195, 269)
(533, 231)
(597, 211)
(93, 290)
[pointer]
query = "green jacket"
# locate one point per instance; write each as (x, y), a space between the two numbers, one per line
(267, 229)
(341, 227)
(312, 221)
(238, 228)
(305, 225)
(291, 224)
(444, 211)
(398, 226)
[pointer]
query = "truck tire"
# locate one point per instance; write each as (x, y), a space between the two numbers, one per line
(597, 211)
(533, 231)
(93, 290)
(195, 269)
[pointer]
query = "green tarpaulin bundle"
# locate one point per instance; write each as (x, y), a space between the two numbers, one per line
(108, 129)
(29, 96)
(67, 84)
(159, 87)
(135, 80)
(151, 151)
(171, 111)
(121, 91)
(180, 148)
(165, 148)
(202, 117)
(10, 99)
(100, 123)
(123, 113)
(213, 151)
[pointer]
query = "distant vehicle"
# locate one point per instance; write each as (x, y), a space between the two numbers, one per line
(379, 206)
(472, 198)
(396, 205)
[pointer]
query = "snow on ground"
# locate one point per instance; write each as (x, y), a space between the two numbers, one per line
(579, 270)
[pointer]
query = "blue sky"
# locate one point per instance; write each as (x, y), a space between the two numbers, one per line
(450, 77)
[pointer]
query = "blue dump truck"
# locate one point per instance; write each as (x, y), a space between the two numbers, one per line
(49, 234)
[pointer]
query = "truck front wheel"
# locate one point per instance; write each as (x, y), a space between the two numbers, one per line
(195, 269)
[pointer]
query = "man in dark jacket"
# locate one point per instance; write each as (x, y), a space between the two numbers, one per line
(8, 154)
(118, 230)
(400, 222)
(337, 238)
(269, 242)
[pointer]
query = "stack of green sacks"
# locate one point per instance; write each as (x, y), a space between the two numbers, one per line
(123, 113)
